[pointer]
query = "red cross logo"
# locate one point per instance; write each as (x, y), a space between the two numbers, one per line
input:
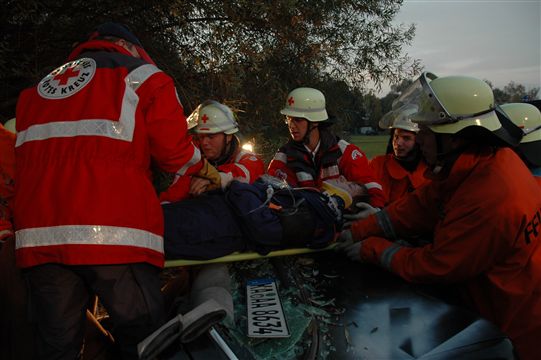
(64, 77)
(205, 118)
(291, 101)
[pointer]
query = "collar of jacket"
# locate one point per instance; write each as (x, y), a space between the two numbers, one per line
(102, 45)
(469, 160)
(394, 168)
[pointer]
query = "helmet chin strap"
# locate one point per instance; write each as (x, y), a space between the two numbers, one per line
(227, 151)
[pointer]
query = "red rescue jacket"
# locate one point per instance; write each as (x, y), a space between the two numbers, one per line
(395, 180)
(486, 218)
(350, 162)
(242, 165)
(86, 136)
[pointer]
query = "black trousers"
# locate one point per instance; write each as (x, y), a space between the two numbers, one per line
(59, 296)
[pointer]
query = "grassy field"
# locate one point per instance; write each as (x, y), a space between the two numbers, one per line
(371, 145)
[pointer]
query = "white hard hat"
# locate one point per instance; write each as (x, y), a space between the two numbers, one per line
(213, 118)
(307, 103)
(398, 121)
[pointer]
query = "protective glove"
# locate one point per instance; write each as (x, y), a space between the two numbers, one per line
(365, 211)
(210, 173)
(353, 251)
(344, 240)
(347, 245)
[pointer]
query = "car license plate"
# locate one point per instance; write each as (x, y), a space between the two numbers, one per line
(265, 313)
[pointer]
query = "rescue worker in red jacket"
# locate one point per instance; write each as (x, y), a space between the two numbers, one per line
(314, 154)
(16, 331)
(215, 129)
(528, 118)
(7, 173)
(87, 218)
(402, 169)
(483, 207)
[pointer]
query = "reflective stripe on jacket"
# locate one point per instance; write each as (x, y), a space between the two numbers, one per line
(244, 166)
(352, 164)
(87, 134)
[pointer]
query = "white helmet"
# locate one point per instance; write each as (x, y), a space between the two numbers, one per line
(213, 118)
(398, 121)
(10, 125)
(306, 103)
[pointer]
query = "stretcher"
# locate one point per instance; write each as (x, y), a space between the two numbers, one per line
(245, 256)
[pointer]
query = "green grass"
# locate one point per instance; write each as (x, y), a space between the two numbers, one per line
(371, 145)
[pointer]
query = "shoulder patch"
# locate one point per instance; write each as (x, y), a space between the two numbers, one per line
(356, 154)
(68, 79)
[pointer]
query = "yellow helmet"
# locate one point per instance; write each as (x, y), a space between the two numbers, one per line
(528, 118)
(447, 104)
(213, 117)
(452, 103)
(10, 125)
(307, 103)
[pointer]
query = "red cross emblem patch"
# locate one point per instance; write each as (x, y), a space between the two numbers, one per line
(68, 79)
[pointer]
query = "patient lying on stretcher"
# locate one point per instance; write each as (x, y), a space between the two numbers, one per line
(265, 216)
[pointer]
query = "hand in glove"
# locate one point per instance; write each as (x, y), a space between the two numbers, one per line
(365, 211)
(353, 251)
(210, 173)
(347, 245)
(344, 240)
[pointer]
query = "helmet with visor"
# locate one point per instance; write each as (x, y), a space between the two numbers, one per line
(447, 104)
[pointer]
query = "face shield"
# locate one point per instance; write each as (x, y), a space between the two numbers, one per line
(400, 119)
(191, 120)
(421, 104)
